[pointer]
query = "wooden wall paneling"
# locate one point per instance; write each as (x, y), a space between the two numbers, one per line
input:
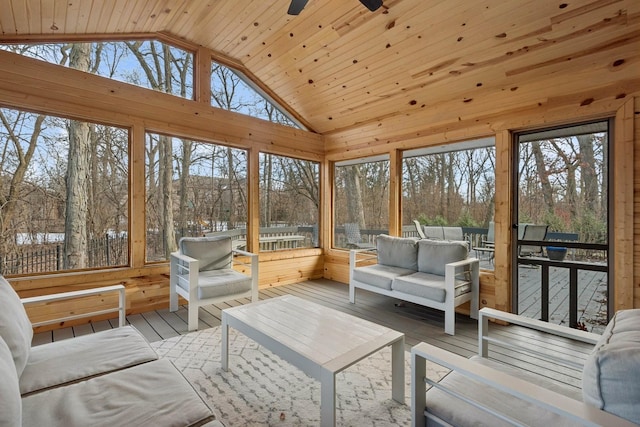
(282, 270)
(623, 208)
(503, 269)
(202, 76)
(253, 201)
(395, 193)
(636, 185)
(137, 195)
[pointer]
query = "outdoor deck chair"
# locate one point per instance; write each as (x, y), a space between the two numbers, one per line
(419, 229)
(533, 232)
(354, 238)
(202, 273)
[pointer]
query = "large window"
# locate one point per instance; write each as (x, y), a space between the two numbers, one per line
(193, 189)
(451, 185)
(147, 63)
(63, 194)
(289, 202)
(361, 202)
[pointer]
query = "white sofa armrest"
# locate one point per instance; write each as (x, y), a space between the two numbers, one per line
(79, 294)
(561, 331)
(518, 388)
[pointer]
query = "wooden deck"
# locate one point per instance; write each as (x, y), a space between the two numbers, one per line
(416, 322)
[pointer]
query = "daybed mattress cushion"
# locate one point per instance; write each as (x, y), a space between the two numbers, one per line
(462, 414)
(216, 283)
(151, 394)
(397, 252)
(379, 275)
(212, 252)
(429, 286)
(15, 326)
(65, 361)
(611, 375)
(434, 255)
(10, 402)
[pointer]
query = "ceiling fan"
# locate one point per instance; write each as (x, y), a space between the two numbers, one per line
(296, 6)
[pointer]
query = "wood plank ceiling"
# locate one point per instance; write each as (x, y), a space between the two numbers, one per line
(344, 68)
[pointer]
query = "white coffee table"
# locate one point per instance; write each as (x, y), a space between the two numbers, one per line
(318, 340)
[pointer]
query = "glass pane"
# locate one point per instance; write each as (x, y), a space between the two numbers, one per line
(563, 199)
(361, 205)
(289, 203)
(193, 189)
(455, 188)
(231, 90)
(146, 63)
(64, 194)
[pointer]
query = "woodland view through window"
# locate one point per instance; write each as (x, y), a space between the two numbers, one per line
(361, 201)
(193, 188)
(289, 202)
(63, 194)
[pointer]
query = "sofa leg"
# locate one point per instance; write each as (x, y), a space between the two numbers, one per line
(450, 322)
(352, 294)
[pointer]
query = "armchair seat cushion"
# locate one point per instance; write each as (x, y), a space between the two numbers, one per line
(218, 283)
(379, 275)
(66, 361)
(429, 286)
(151, 394)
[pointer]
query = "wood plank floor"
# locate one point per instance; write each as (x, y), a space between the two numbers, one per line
(416, 322)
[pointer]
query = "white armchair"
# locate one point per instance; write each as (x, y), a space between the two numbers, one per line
(203, 273)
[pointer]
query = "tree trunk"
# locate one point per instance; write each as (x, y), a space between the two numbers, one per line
(543, 175)
(75, 243)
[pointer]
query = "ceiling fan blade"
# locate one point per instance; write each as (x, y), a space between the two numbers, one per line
(372, 5)
(296, 6)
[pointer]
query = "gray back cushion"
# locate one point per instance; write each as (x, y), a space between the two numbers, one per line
(213, 252)
(397, 251)
(611, 374)
(10, 401)
(433, 232)
(434, 255)
(452, 233)
(15, 326)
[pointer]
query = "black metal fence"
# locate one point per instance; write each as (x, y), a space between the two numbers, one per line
(106, 251)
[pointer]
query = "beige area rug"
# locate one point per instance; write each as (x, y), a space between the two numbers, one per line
(260, 389)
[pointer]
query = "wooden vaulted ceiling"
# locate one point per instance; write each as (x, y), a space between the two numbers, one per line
(349, 72)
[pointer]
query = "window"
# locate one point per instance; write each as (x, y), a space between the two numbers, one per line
(233, 91)
(63, 194)
(361, 201)
(193, 189)
(451, 185)
(146, 63)
(289, 202)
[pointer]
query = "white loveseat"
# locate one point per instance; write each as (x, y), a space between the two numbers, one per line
(433, 273)
(484, 392)
(110, 378)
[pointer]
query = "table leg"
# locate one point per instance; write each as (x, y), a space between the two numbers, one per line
(397, 370)
(225, 343)
(327, 399)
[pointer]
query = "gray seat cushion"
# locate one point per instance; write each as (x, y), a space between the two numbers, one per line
(434, 255)
(65, 361)
(212, 252)
(611, 375)
(460, 413)
(217, 283)
(425, 285)
(397, 252)
(15, 326)
(378, 275)
(151, 394)
(10, 402)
